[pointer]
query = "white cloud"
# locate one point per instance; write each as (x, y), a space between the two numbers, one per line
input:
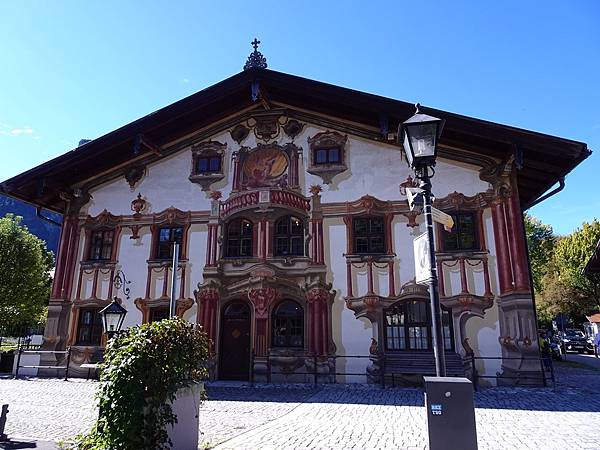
(25, 130)
(185, 80)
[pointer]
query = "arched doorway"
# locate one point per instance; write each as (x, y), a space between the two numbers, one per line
(235, 342)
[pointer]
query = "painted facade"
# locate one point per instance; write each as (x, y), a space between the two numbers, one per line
(297, 248)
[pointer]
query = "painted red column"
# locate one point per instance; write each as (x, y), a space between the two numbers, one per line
(517, 243)
(65, 237)
(320, 251)
(502, 248)
(486, 278)
(324, 320)
(72, 262)
(313, 244)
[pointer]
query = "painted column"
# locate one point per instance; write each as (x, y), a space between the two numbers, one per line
(517, 243)
(208, 299)
(502, 247)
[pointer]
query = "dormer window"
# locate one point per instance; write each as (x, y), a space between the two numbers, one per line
(207, 163)
(330, 155)
(327, 155)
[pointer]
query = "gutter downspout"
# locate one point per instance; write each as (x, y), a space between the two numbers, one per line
(560, 187)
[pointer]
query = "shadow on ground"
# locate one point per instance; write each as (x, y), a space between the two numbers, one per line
(577, 390)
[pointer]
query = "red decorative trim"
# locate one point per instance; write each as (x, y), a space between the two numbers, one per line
(502, 248)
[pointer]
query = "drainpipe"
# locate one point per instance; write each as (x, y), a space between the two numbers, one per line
(560, 187)
(38, 213)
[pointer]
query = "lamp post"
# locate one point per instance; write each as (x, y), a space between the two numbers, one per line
(113, 314)
(419, 136)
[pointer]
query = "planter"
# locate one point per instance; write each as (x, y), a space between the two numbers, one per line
(184, 434)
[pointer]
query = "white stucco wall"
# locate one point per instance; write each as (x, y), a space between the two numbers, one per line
(374, 168)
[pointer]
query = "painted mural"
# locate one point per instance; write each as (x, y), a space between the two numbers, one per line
(265, 167)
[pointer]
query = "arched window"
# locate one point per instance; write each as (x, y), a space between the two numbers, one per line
(239, 238)
(288, 325)
(408, 327)
(289, 236)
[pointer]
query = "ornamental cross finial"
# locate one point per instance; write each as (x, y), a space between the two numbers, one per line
(256, 60)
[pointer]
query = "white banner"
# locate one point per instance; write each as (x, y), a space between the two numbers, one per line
(422, 266)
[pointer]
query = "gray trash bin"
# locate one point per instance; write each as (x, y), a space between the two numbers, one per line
(450, 413)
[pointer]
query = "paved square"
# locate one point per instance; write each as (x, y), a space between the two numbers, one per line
(334, 416)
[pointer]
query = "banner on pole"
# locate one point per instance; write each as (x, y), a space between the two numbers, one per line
(422, 265)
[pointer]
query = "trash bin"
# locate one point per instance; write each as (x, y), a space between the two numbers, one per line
(450, 413)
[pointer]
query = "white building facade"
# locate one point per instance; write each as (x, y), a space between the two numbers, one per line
(288, 199)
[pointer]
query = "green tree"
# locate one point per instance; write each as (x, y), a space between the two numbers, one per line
(25, 280)
(571, 255)
(540, 241)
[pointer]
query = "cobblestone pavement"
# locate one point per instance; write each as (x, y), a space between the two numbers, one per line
(335, 417)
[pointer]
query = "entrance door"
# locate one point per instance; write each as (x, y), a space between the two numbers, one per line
(235, 342)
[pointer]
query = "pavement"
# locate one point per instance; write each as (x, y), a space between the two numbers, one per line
(265, 417)
(584, 358)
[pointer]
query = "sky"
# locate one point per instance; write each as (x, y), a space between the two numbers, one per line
(72, 69)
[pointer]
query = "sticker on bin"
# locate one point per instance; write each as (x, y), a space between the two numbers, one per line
(436, 409)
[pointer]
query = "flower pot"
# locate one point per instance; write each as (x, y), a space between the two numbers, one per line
(186, 407)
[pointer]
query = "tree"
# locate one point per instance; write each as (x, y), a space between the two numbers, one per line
(25, 280)
(571, 255)
(541, 242)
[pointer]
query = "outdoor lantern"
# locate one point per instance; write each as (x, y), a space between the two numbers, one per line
(419, 136)
(112, 317)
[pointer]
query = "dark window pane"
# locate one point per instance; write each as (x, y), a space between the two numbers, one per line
(463, 235)
(321, 156)
(89, 329)
(166, 238)
(246, 249)
(246, 228)
(203, 165)
(289, 236)
(334, 155)
(369, 235)
(215, 164)
(157, 314)
(288, 325)
(101, 245)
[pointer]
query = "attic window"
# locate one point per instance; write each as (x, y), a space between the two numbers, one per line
(207, 163)
(327, 155)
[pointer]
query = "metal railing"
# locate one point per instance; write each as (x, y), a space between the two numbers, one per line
(314, 373)
(546, 370)
(66, 352)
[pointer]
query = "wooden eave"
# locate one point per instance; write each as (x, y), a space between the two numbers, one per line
(545, 158)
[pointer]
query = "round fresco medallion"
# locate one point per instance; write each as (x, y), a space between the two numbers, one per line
(236, 333)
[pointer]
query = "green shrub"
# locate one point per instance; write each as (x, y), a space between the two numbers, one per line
(143, 369)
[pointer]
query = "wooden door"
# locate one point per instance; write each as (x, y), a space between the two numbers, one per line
(235, 342)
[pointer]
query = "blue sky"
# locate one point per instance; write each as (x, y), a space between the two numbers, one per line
(74, 69)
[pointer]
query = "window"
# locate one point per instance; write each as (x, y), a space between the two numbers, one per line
(101, 244)
(89, 329)
(158, 313)
(463, 235)
(328, 155)
(208, 164)
(239, 238)
(288, 325)
(289, 236)
(166, 238)
(369, 235)
(408, 327)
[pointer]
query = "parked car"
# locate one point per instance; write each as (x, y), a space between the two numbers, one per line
(574, 341)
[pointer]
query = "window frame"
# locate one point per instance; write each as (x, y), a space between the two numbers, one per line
(244, 240)
(457, 235)
(369, 235)
(94, 328)
(279, 320)
(289, 236)
(103, 245)
(405, 326)
(158, 256)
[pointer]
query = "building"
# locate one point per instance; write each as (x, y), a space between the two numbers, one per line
(287, 196)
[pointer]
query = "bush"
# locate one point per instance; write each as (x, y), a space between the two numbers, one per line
(143, 369)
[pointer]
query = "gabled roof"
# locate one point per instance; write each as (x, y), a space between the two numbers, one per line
(545, 158)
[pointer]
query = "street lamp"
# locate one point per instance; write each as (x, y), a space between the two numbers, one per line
(112, 318)
(113, 314)
(419, 136)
